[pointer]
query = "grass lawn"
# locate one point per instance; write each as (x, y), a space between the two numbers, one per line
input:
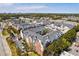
(32, 54)
(5, 32)
(12, 47)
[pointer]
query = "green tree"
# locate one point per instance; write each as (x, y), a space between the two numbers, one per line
(62, 43)
(76, 28)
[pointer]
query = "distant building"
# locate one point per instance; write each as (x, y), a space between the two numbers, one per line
(74, 49)
(47, 42)
(77, 37)
(17, 42)
(78, 34)
(21, 34)
(66, 54)
(38, 47)
(29, 41)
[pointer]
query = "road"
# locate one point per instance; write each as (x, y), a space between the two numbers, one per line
(4, 48)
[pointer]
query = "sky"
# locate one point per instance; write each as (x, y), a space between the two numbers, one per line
(39, 7)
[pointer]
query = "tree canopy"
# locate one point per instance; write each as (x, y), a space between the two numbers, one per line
(62, 43)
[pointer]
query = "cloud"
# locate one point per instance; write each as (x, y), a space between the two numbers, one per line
(5, 4)
(10, 7)
(30, 7)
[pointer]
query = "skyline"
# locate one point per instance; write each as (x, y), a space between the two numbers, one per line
(39, 7)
